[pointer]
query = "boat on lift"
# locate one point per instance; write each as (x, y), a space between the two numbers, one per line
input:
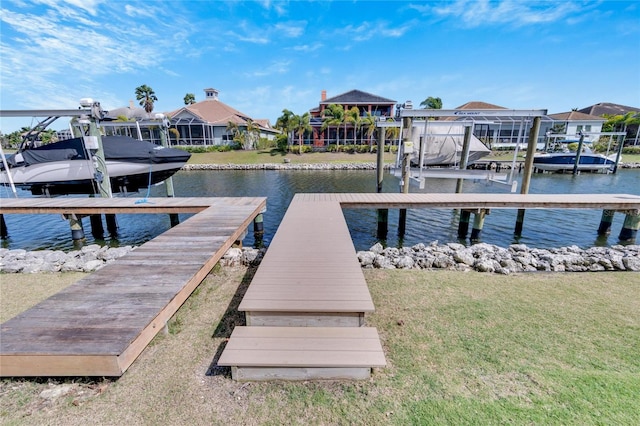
(559, 158)
(70, 166)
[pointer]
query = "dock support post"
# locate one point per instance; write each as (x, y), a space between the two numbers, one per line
(478, 223)
(407, 147)
(383, 214)
(630, 226)
(383, 220)
(4, 233)
(464, 156)
(97, 230)
(77, 231)
(463, 225)
(258, 229)
(576, 163)
(380, 158)
(528, 168)
(164, 141)
(605, 222)
(112, 224)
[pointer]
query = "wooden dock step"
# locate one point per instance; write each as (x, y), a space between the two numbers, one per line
(310, 276)
(302, 353)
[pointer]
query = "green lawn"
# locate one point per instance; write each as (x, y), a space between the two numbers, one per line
(462, 348)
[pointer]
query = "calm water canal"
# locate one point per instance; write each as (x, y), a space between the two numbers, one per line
(542, 228)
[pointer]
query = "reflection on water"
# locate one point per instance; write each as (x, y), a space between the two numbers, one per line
(542, 228)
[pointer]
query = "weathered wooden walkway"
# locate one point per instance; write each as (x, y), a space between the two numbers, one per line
(100, 325)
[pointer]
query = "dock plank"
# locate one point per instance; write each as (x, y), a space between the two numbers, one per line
(101, 324)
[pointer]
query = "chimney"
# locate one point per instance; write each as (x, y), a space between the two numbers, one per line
(323, 96)
(131, 105)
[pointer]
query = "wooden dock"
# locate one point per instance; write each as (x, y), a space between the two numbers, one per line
(308, 289)
(100, 325)
(305, 307)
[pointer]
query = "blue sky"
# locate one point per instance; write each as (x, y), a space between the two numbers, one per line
(264, 56)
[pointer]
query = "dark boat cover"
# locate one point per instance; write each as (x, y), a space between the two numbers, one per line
(117, 148)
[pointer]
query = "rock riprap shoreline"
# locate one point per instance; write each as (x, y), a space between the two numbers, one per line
(93, 257)
(479, 257)
(484, 257)
(324, 166)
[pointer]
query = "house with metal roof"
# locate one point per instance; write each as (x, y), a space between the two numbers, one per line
(207, 122)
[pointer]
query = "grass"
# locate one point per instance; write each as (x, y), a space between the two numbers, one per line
(273, 156)
(461, 348)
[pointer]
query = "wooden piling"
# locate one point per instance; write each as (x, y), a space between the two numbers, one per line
(463, 224)
(528, 168)
(630, 226)
(464, 156)
(605, 222)
(97, 230)
(383, 221)
(576, 163)
(77, 231)
(478, 223)
(112, 224)
(4, 232)
(407, 146)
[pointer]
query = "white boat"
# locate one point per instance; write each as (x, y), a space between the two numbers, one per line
(560, 159)
(440, 143)
(67, 167)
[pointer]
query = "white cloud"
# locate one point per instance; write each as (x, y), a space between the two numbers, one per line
(277, 67)
(56, 47)
(476, 13)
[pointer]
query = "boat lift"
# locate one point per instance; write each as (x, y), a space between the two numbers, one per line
(418, 175)
(90, 113)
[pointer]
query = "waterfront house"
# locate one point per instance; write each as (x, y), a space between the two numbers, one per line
(345, 131)
(609, 109)
(574, 123)
(207, 122)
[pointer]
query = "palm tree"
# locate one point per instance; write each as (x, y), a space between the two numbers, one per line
(333, 115)
(233, 129)
(252, 135)
(189, 99)
(392, 133)
(432, 103)
(369, 121)
(353, 116)
(301, 124)
(146, 96)
(283, 123)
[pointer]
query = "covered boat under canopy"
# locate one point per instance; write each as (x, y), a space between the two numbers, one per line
(442, 143)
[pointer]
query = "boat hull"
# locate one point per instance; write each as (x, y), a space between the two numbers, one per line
(566, 162)
(131, 165)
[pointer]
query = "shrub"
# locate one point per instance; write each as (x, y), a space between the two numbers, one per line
(282, 142)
